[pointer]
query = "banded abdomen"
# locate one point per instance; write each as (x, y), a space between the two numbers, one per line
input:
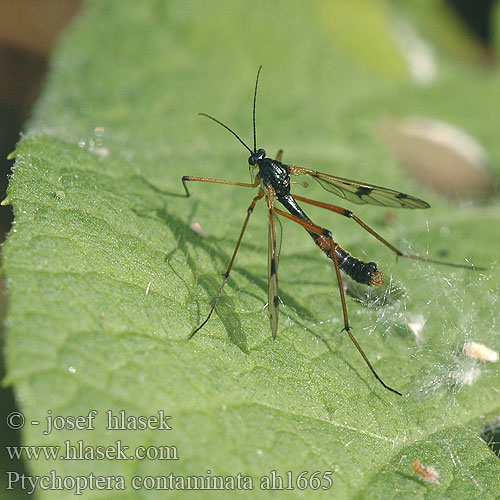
(362, 272)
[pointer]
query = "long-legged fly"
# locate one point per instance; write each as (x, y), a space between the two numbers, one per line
(273, 179)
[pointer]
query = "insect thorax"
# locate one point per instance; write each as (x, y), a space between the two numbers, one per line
(275, 174)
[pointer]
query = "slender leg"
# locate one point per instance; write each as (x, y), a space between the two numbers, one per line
(226, 275)
(399, 253)
(187, 178)
(279, 155)
(328, 235)
(272, 265)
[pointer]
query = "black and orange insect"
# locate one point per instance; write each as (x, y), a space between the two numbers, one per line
(273, 179)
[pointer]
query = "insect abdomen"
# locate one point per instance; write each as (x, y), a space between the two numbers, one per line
(363, 272)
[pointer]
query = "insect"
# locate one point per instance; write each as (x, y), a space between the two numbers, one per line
(273, 180)
(428, 473)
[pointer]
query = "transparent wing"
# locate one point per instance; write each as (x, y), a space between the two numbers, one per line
(361, 193)
(272, 268)
(278, 229)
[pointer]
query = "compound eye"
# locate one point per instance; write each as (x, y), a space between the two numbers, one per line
(261, 153)
(252, 160)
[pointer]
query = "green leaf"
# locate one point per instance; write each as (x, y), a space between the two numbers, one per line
(107, 279)
(376, 48)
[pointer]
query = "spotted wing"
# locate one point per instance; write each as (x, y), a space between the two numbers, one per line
(272, 268)
(361, 193)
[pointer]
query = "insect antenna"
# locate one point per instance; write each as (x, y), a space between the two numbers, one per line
(227, 128)
(253, 119)
(254, 106)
